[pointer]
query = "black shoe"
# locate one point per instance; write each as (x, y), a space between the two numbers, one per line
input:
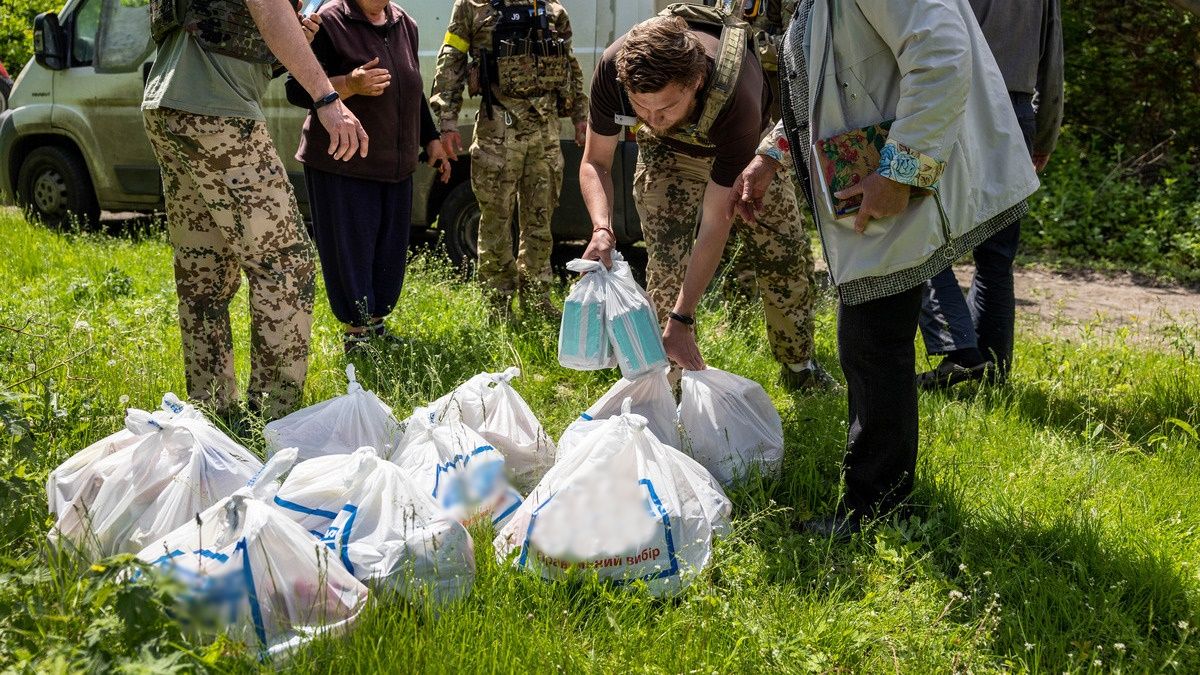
(811, 378)
(353, 343)
(948, 373)
(838, 527)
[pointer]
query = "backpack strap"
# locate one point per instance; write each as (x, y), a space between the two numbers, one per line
(725, 76)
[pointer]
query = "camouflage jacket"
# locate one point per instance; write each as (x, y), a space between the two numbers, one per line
(470, 30)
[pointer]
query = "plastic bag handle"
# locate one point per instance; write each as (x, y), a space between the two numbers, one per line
(507, 376)
(171, 403)
(279, 464)
(581, 266)
(364, 462)
(636, 421)
(140, 422)
(353, 385)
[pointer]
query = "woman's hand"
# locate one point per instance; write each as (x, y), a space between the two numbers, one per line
(438, 159)
(367, 80)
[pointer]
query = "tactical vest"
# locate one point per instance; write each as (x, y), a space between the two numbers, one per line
(220, 26)
(735, 37)
(527, 57)
(768, 19)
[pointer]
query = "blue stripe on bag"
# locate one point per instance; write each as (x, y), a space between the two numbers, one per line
(293, 506)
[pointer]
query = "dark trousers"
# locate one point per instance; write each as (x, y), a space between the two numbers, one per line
(875, 344)
(986, 317)
(361, 228)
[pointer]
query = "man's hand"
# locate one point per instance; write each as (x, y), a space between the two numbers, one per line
(680, 343)
(346, 133)
(882, 197)
(1040, 160)
(601, 246)
(452, 142)
(749, 188)
(580, 133)
(309, 24)
(367, 80)
(438, 159)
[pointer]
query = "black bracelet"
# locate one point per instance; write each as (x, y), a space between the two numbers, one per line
(682, 318)
(325, 100)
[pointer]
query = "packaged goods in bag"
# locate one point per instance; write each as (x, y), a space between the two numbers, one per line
(253, 573)
(337, 426)
(623, 505)
(730, 423)
(651, 398)
(156, 485)
(454, 465)
(75, 483)
(391, 532)
(583, 342)
(633, 325)
(467, 402)
(511, 427)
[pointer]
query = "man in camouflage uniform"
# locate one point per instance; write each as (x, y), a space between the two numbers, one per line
(517, 55)
(230, 205)
(659, 79)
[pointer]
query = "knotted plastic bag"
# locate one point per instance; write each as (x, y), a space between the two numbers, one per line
(583, 342)
(337, 426)
(730, 424)
(623, 505)
(75, 483)
(179, 468)
(254, 573)
(650, 397)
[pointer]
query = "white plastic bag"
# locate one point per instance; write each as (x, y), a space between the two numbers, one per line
(466, 403)
(391, 532)
(651, 398)
(156, 485)
(583, 342)
(633, 325)
(251, 571)
(75, 483)
(453, 464)
(624, 505)
(337, 426)
(511, 427)
(731, 424)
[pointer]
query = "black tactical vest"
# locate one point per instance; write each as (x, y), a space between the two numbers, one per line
(220, 26)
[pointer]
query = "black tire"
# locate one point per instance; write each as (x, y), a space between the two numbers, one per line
(458, 220)
(54, 186)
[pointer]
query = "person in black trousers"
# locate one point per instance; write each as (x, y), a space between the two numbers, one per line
(361, 208)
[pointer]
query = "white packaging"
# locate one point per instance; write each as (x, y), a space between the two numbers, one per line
(337, 426)
(651, 398)
(632, 325)
(252, 572)
(75, 483)
(623, 505)
(454, 465)
(583, 342)
(511, 427)
(730, 423)
(155, 486)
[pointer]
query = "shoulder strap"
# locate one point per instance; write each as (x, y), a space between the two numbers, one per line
(724, 79)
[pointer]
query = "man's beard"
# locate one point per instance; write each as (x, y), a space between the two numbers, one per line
(683, 122)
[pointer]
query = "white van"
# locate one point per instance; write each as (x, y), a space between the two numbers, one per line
(72, 140)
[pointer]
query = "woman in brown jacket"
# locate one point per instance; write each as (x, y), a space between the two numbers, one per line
(361, 207)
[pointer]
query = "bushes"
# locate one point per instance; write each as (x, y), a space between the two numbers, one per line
(16, 30)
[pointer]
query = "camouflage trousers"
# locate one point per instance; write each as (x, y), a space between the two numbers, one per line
(231, 210)
(668, 188)
(516, 162)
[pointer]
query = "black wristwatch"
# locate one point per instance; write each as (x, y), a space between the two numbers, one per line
(325, 100)
(682, 318)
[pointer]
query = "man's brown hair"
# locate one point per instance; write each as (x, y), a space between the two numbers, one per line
(658, 52)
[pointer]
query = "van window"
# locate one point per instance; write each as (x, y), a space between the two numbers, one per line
(84, 25)
(123, 42)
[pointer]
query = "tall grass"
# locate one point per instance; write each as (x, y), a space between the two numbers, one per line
(1057, 526)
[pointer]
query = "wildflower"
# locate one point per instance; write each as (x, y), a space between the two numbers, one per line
(956, 595)
(1119, 646)
(1029, 646)
(80, 324)
(962, 567)
(124, 399)
(1183, 625)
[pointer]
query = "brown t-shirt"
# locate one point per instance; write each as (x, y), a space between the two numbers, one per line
(736, 131)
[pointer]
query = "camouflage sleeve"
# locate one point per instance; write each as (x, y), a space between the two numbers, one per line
(450, 75)
(575, 101)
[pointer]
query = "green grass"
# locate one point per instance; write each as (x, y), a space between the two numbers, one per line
(1060, 527)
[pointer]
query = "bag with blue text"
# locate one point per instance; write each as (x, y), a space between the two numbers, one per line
(337, 426)
(650, 397)
(178, 468)
(730, 424)
(73, 485)
(384, 528)
(622, 505)
(251, 572)
(453, 464)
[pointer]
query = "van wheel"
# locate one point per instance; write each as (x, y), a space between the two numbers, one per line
(459, 222)
(54, 187)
